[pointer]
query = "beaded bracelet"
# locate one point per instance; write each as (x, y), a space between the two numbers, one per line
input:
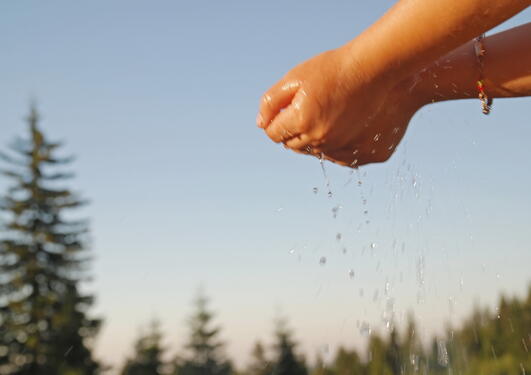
(486, 101)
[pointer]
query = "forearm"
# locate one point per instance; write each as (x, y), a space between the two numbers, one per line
(414, 32)
(507, 69)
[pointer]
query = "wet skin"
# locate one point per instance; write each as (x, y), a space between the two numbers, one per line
(352, 104)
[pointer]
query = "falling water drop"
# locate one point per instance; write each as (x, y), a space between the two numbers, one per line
(351, 273)
(322, 261)
(365, 329)
(335, 210)
(442, 353)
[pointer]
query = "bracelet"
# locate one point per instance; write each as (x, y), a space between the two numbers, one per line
(479, 49)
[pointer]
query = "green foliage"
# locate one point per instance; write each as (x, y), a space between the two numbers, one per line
(286, 361)
(347, 363)
(260, 364)
(147, 358)
(204, 350)
(44, 324)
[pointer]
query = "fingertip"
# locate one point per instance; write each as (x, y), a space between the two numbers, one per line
(260, 120)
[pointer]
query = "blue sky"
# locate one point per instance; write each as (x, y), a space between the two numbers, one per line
(157, 100)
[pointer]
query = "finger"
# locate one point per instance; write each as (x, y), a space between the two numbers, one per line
(284, 126)
(304, 144)
(274, 100)
(347, 156)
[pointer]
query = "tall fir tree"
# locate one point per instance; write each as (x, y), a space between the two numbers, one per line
(260, 364)
(147, 357)
(286, 362)
(44, 325)
(204, 349)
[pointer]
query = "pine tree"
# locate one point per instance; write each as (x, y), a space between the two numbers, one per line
(392, 353)
(147, 358)
(260, 364)
(45, 329)
(347, 363)
(204, 349)
(377, 364)
(286, 362)
(320, 367)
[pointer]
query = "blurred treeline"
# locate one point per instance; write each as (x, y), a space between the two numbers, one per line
(46, 327)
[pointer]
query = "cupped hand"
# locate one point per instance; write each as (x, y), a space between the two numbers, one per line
(385, 128)
(333, 105)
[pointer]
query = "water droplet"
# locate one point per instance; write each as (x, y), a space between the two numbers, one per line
(280, 209)
(292, 250)
(396, 130)
(377, 137)
(339, 236)
(351, 273)
(68, 351)
(420, 271)
(335, 210)
(315, 190)
(442, 353)
(365, 329)
(373, 245)
(322, 261)
(330, 194)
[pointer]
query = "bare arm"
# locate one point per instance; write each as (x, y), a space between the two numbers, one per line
(328, 105)
(507, 69)
(415, 32)
(507, 73)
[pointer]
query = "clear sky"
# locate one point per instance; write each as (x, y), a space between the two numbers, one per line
(158, 99)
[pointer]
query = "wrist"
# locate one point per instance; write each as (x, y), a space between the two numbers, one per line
(368, 64)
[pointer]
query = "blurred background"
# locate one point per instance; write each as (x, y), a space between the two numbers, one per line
(189, 201)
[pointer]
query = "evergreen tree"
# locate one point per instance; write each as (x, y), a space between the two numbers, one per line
(260, 364)
(392, 353)
(377, 363)
(286, 361)
(204, 349)
(347, 363)
(147, 358)
(44, 326)
(320, 367)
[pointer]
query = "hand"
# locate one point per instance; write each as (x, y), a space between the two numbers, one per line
(386, 128)
(332, 105)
